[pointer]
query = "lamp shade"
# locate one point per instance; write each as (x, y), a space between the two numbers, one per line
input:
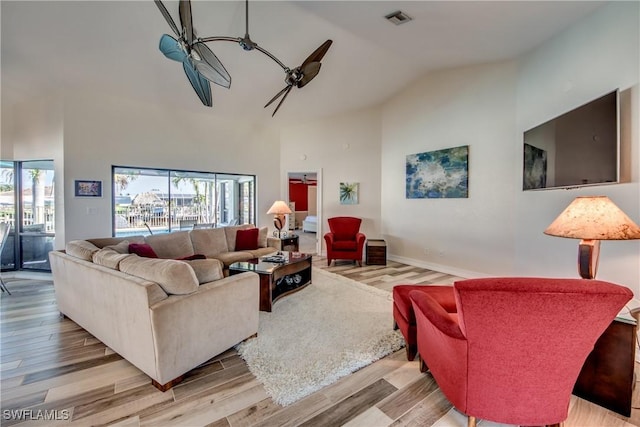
(279, 208)
(593, 218)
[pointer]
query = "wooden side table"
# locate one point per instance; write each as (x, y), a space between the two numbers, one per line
(290, 243)
(607, 376)
(376, 252)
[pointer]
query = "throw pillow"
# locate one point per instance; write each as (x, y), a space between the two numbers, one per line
(142, 249)
(262, 237)
(174, 277)
(207, 270)
(121, 248)
(81, 249)
(107, 257)
(247, 240)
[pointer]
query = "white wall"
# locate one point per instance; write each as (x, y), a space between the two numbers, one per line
(86, 135)
(345, 148)
(498, 229)
(597, 55)
(472, 106)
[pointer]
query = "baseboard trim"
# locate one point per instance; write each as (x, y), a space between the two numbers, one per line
(467, 274)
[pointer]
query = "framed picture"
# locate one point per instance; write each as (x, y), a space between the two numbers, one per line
(349, 193)
(440, 174)
(534, 173)
(88, 188)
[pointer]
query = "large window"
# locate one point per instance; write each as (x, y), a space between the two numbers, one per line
(160, 201)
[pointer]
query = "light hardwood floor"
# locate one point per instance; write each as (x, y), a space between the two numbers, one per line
(50, 367)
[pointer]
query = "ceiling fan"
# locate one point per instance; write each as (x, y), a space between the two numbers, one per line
(202, 66)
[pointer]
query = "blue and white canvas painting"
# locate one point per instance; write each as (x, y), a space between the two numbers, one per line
(438, 174)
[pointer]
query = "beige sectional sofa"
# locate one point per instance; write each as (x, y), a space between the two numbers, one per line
(165, 316)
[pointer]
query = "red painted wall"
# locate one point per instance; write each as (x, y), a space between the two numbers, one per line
(298, 193)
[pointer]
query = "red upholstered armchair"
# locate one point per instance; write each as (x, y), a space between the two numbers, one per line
(344, 241)
(515, 350)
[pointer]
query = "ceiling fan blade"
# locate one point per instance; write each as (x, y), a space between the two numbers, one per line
(278, 95)
(168, 17)
(171, 48)
(317, 54)
(199, 83)
(210, 66)
(282, 100)
(186, 20)
(308, 73)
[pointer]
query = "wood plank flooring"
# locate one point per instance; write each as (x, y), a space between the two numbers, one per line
(52, 372)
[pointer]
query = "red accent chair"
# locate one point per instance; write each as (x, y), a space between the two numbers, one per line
(404, 317)
(517, 346)
(344, 241)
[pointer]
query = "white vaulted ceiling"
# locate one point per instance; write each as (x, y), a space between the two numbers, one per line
(111, 47)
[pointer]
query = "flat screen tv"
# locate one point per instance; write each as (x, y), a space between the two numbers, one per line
(580, 147)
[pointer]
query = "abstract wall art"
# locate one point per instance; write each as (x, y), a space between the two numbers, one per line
(88, 188)
(535, 168)
(438, 174)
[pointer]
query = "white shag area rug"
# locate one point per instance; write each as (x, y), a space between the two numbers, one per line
(319, 334)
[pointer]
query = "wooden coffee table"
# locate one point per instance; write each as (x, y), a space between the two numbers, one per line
(277, 279)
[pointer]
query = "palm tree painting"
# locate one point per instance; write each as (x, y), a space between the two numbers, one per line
(349, 193)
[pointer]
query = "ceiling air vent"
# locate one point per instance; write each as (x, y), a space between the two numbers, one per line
(398, 17)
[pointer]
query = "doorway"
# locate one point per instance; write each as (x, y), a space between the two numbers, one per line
(304, 192)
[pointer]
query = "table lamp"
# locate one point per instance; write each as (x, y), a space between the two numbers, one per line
(592, 218)
(279, 209)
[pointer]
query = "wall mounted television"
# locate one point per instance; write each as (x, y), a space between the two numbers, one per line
(578, 148)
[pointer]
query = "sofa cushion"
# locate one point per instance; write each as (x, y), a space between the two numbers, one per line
(345, 245)
(171, 245)
(207, 270)
(229, 258)
(143, 250)
(209, 241)
(246, 239)
(101, 242)
(121, 248)
(262, 237)
(108, 258)
(230, 233)
(81, 249)
(175, 277)
(257, 253)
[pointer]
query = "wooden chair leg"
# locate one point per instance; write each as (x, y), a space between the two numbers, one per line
(411, 350)
(423, 365)
(471, 421)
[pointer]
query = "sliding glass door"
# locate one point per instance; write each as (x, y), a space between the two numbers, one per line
(27, 203)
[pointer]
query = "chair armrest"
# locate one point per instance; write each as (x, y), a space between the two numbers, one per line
(274, 242)
(442, 347)
(328, 237)
(424, 304)
(360, 239)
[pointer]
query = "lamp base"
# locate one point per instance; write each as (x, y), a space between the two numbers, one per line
(278, 223)
(588, 254)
